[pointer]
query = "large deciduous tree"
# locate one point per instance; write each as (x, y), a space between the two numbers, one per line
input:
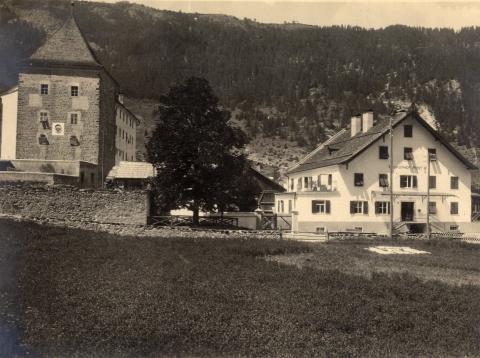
(196, 151)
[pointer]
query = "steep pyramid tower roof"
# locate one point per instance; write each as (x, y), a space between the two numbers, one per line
(66, 46)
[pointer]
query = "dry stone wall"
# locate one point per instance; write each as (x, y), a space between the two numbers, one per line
(72, 204)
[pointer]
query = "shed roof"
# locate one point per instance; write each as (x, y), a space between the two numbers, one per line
(342, 147)
(131, 170)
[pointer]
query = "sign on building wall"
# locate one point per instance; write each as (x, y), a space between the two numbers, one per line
(58, 128)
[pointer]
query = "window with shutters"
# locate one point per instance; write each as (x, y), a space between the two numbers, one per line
(408, 153)
(44, 119)
(408, 181)
(324, 183)
(320, 206)
(299, 184)
(408, 131)
(358, 207)
(383, 180)
(432, 154)
(383, 152)
(432, 207)
(358, 179)
(432, 182)
(382, 207)
(453, 182)
(454, 208)
(307, 182)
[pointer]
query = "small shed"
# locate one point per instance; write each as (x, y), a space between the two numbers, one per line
(130, 175)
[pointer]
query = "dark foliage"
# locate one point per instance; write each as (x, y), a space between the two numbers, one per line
(78, 293)
(195, 150)
(314, 77)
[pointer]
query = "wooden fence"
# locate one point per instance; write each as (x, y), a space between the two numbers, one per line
(184, 220)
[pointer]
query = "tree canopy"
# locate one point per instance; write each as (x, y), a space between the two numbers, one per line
(196, 151)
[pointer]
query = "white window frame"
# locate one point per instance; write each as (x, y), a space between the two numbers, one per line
(359, 207)
(42, 114)
(409, 184)
(383, 207)
(321, 205)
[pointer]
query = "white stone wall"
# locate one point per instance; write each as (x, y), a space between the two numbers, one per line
(9, 125)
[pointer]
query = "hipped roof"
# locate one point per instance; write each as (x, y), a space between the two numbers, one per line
(66, 46)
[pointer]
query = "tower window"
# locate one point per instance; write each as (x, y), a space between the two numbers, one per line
(74, 91)
(74, 142)
(43, 140)
(44, 120)
(43, 88)
(74, 118)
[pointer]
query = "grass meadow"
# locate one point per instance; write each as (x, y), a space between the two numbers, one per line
(74, 293)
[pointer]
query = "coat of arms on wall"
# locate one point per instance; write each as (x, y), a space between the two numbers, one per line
(58, 128)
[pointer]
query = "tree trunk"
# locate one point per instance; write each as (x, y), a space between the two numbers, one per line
(195, 215)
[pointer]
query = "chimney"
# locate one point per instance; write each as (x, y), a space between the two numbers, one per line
(367, 120)
(356, 125)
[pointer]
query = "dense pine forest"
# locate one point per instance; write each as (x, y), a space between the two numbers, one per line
(291, 82)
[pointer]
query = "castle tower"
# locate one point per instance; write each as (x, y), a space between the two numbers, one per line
(66, 105)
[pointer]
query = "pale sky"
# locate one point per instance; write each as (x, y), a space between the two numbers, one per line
(376, 14)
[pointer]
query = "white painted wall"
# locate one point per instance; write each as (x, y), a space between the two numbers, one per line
(371, 166)
(9, 125)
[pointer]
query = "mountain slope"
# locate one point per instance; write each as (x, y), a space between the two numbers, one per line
(293, 84)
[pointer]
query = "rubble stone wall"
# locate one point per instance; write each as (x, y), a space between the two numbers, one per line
(72, 204)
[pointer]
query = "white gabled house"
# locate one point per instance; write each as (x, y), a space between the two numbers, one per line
(344, 184)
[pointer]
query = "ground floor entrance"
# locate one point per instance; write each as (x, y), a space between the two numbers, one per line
(407, 210)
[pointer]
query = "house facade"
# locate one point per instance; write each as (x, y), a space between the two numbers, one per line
(68, 109)
(345, 184)
(126, 133)
(8, 123)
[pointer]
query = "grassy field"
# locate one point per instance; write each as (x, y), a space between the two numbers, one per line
(77, 293)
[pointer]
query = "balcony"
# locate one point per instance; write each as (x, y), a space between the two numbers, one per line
(314, 186)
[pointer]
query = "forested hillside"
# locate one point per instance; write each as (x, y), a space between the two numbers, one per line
(292, 83)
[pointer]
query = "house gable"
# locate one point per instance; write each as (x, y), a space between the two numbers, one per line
(344, 148)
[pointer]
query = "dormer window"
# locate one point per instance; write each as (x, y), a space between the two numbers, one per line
(331, 149)
(44, 89)
(74, 91)
(43, 140)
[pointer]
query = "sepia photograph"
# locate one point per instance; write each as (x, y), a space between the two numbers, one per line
(239, 178)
